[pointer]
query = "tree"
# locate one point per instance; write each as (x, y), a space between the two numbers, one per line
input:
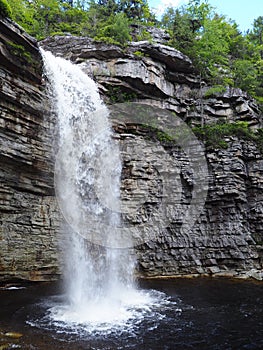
(246, 77)
(213, 50)
(167, 20)
(41, 18)
(199, 11)
(116, 30)
(186, 23)
(256, 35)
(183, 34)
(23, 14)
(136, 10)
(5, 9)
(107, 7)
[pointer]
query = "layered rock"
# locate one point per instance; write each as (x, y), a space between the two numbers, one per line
(27, 207)
(227, 237)
(157, 72)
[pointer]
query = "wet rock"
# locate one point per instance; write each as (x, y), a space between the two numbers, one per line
(256, 274)
(13, 335)
(27, 206)
(5, 346)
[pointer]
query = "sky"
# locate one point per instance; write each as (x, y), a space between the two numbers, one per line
(243, 12)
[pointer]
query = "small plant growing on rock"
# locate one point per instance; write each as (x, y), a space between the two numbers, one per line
(19, 51)
(117, 95)
(214, 134)
(215, 90)
(139, 54)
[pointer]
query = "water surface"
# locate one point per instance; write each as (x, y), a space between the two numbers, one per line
(181, 314)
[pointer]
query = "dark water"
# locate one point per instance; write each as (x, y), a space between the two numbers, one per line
(199, 314)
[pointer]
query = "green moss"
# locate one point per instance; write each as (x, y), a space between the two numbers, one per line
(164, 137)
(5, 9)
(19, 51)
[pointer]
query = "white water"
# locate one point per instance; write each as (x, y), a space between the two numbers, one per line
(100, 287)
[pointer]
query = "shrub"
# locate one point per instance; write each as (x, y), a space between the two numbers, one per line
(215, 90)
(107, 40)
(116, 31)
(117, 95)
(214, 134)
(139, 54)
(5, 9)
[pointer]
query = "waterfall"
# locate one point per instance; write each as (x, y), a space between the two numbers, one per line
(100, 283)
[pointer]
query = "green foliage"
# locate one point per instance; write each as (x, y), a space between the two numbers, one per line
(183, 37)
(136, 10)
(256, 35)
(185, 23)
(214, 135)
(22, 13)
(213, 50)
(117, 95)
(245, 75)
(152, 132)
(104, 20)
(164, 137)
(199, 11)
(139, 54)
(107, 40)
(19, 51)
(5, 9)
(42, 18)
(143, 35)
(215, 90)
(222, 55)
(116, 29)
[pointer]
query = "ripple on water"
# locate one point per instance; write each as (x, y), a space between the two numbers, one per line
(101, 319)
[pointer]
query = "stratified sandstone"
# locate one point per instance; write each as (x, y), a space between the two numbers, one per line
(227, 237)
(28, 222)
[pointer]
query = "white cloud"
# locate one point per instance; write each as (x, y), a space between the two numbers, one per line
(160, 9)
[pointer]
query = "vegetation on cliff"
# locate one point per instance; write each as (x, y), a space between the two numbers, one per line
(215, 135)
(5, 9)
(222, 55)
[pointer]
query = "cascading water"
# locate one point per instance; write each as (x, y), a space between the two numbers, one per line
(100, 286)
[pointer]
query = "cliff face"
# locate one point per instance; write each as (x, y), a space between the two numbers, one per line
(227, 237)
(28, 224)
(157, 72)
